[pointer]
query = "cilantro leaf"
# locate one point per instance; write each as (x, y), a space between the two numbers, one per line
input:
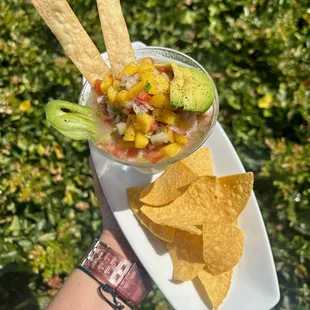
(147, 86)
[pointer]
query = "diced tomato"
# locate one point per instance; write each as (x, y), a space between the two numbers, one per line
(154, 126)
(161, 70)
(144, 96)
(150, 146)
(141, 101)
(110, 148)
(97, 88)
(132, 153)
(154, 156)
(119, 153)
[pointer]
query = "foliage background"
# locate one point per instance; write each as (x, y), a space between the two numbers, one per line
(258, 53)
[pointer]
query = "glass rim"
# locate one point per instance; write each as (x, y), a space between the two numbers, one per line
(186, 153)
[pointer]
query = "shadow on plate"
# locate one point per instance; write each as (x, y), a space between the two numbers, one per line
(117, 178)
(157, 244)
(202, 293)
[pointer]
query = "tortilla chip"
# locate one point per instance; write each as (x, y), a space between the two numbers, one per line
(216, 286)
(200, 162)
(168, 186)
(189, 209)
(115, 34)
(235, 191)
(62, 21)
(186, 254)
(193, 230)
(163, 232)
(222, 244)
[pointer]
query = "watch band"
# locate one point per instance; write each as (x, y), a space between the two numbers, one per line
(126, 282)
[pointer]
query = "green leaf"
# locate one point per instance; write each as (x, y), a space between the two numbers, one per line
(147, 86)
(15, 225)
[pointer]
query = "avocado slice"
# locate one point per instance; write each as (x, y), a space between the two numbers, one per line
(191, 89)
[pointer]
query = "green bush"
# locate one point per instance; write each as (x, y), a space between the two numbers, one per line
(258, 53)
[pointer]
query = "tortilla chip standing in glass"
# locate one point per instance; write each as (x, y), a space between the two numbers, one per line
(115, 34)
(235, 191)
(163, 232)
(200, 162)
(62, 21)
(222, 244)
(168, 186)
(189, 209)
(216, 286)
(186, 253)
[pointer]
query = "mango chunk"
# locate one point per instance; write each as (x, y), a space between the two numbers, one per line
(165, 116)
(165, 129)
(115, 84)
(132, 121)
(112, 94)
(130, 134)
(146, 60)
(141, 141)
(148, 77)
(180, 138)
(159, 101)
(145, 121)
(135, 90)
(146, 66)
(106, 82)
(171, 150)
(131, 69)
(162, 84)
(121, 96)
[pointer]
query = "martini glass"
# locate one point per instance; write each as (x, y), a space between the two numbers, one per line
(160, 55)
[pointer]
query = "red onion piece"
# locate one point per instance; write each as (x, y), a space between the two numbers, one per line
(124, 78)
(145, 103)
(139, 108)
(136, 108)
(102, 99)
(193, 128)
(154, 126)
(177, 130)
(130, 82)
(150, 146)
(110, 110)
(159, 138)
(125, 111)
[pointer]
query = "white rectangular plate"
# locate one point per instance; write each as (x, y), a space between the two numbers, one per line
(254, 284)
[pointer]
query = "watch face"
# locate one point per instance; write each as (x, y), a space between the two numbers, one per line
(127, 280)
(132, 288)
(107, 265)
(111, 268)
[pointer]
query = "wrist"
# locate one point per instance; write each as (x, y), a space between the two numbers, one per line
(117, 241)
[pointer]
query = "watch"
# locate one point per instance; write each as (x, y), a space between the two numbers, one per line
(127, 282)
